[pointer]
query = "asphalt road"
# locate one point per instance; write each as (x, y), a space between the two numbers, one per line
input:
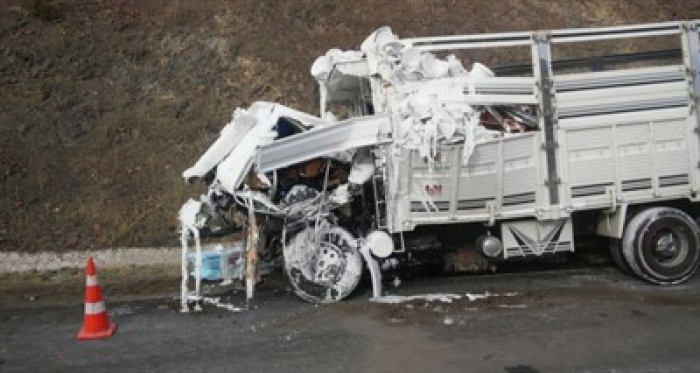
(583, 320)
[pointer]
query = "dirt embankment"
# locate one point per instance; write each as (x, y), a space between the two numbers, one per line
(104, 102)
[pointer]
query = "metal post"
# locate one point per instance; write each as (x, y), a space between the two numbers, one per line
(184, 291)
(690, 35)
(690, 32)
(251, 253)
(542, 69)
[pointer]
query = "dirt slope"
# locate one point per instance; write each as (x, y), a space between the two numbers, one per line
(105, 102)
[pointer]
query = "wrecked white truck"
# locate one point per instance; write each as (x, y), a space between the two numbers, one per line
(517, 161)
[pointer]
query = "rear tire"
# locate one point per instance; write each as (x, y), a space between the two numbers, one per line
(660, 245)
(615, 249)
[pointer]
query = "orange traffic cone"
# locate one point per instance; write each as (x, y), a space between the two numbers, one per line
(96, 324)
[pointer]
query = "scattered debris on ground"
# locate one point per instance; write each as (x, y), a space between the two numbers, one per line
(442, 298)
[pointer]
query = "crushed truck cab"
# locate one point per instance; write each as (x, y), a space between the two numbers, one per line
(513, 158)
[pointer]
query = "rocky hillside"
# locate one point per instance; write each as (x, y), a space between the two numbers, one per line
(103, 103)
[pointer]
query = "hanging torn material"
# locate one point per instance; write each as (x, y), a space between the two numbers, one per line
(306, 176)
(299, 182)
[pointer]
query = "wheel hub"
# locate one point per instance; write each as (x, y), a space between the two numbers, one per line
(323, 266)
(666, 247)
(330, 265)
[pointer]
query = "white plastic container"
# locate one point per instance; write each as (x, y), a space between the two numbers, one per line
(219, 264)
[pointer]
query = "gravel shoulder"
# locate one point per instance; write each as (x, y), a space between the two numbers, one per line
(66, 286)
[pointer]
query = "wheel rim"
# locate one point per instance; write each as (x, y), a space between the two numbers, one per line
(330, 264)
(669, 247)
(323, 268)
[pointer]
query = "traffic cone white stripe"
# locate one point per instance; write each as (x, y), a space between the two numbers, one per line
(95, 308)
(91, 280)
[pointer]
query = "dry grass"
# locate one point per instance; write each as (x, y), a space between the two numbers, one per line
(102, 109)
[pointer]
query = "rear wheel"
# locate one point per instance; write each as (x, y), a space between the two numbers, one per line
(615, 248)
(323, 266)
(660, 245)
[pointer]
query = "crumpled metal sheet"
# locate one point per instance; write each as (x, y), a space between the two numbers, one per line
(338, 137)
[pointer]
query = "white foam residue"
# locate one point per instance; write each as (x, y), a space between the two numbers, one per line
(216, 302)
(396, 299)
(473, 297)
(438, 297)
(510, 294)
